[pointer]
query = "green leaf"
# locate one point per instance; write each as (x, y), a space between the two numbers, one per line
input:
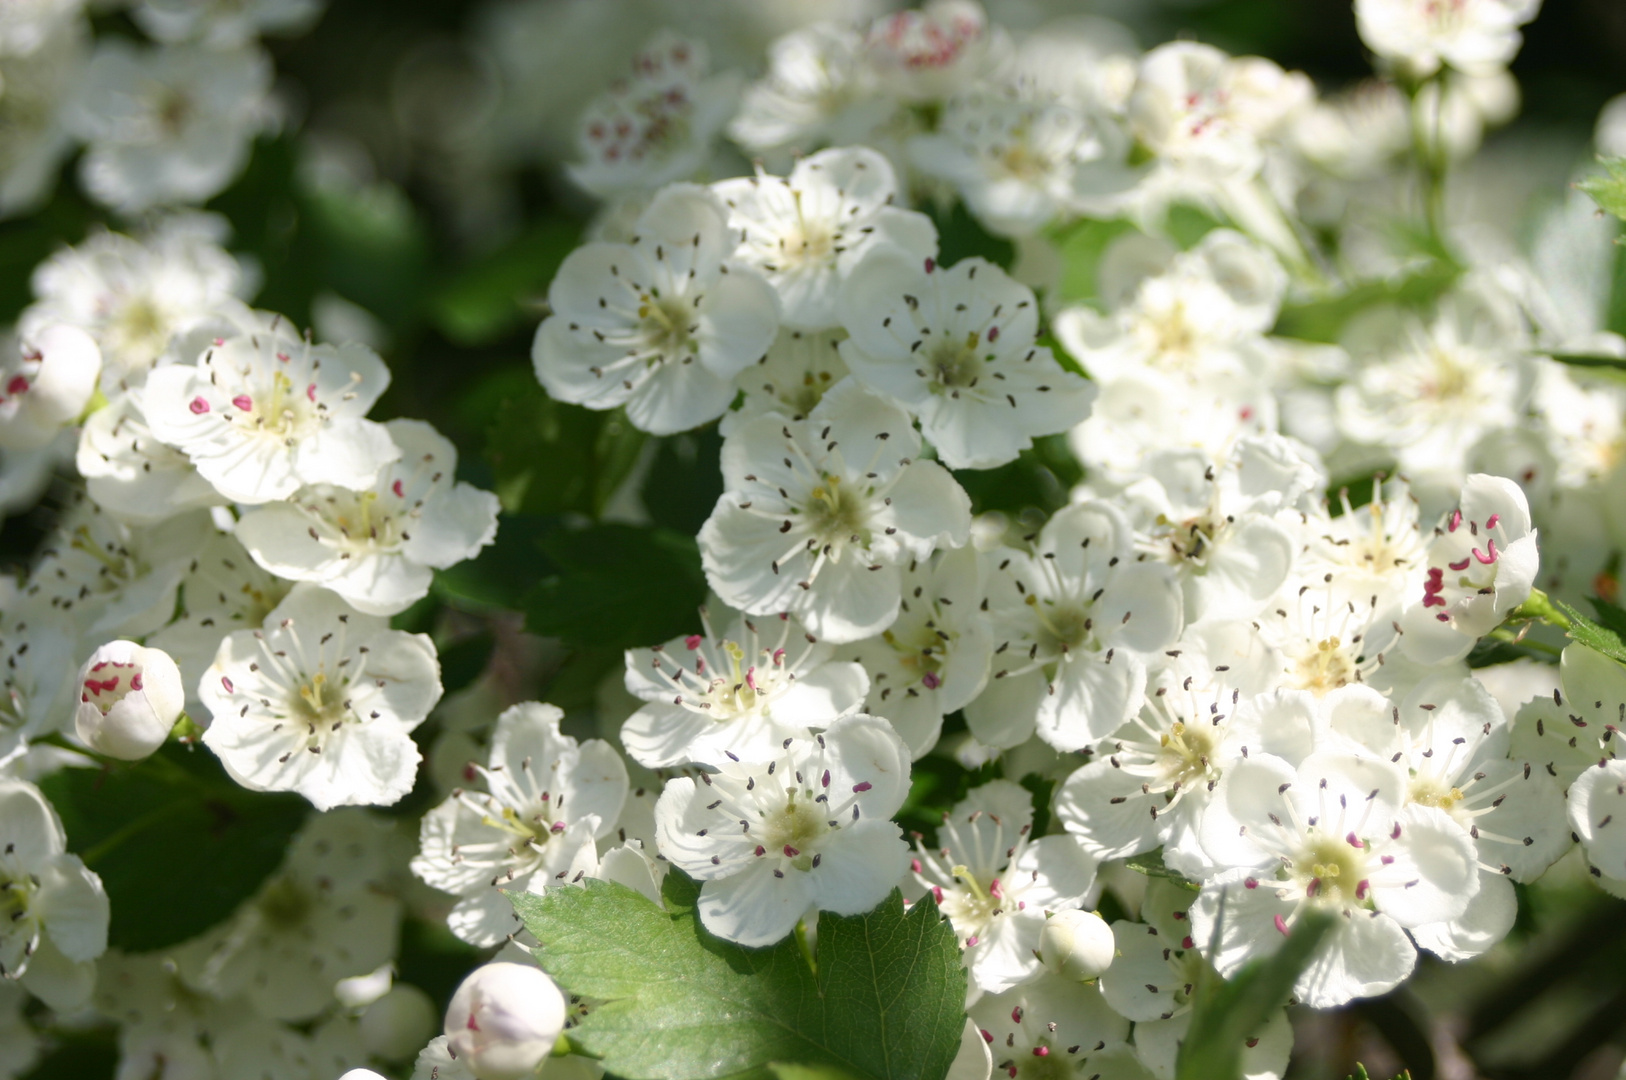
(1081, 246)
(548, 457)
(1608, 190)
(1039, 478)
(618, 586)
(1593, 635)
(1150, 863)
(785, 1071)
(1324, 320)
(1043, 790)
(1187, 224)
(178, 843)
(887, 1002)
(961, 236)
(1227, 1013)
(501, 292)
(373, 248)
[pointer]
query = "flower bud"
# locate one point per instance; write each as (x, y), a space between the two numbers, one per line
(504, 1020)
(1077, 944)
(129, 699)
(397, 1025)
(361, 1074)
(47, 386)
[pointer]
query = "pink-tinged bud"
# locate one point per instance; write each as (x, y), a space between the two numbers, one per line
(129, 710)
(504, 1020)
(1077, 944)
(1281, 926)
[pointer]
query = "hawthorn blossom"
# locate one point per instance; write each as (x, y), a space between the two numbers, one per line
(224, 23)
(806, 831)
(547, 800)
(131, 474)
(657, 125)
(39, 648)
(133, 295)
(1075, 620)
(377, 547)
(742, 691)
(262, 413)
(1481, 565)
(1336, 834)
(503, 1020)
(928, 52)
(818, 516)
(38, 84)
(791, 377)
(1050, 1025)
(1376, 549)
(997, 884)
(956, 347)
(56, 909)
(169, 124)
(1421, 36)
(805, 233)
(321, 701)
(129, 699)
(47, 386)
(661, 325)
(819, 90)
(934, 657)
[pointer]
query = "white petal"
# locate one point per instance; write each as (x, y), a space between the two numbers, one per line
(753, 907)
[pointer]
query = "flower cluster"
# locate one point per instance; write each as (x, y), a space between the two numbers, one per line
(1059, 514)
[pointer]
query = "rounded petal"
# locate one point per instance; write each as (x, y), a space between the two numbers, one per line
(753, 907)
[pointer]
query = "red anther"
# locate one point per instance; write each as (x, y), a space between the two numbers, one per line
(1187, 943)
(1459, 566)
(692, 642)
(226, 682)
(1354, 841)
(198, 406)
(1386, 860)
(1395, 835)
(993, 333)
(930, 680)
(987, 1036)
(310, 391)
(1281, 926)
(1041, 1051)
(243, 402)
(1492, 521)
(862, 785)
(1456, 520)
(400, 493)
(937, 893)
(135, 681)
(17, 385)
(1361, 889)
(1016, 1014)
(790, 852)
(761, 850)
(914, 865)
(931, 264)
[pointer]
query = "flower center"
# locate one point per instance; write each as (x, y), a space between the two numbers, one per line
(1064, 626)
(1330, 869)
(953, 366)
(1432, 791)
(667, 327)
(837, 512)
(1188, 753)
(797, 827)
(285, 904)
(1325, 666)
(109, 682)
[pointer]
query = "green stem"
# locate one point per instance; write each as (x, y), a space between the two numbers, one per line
(805, 946)
(1539, 607)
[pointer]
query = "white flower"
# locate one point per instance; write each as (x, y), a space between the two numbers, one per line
(741, 692)
(56, 910)
(657, 126)
(1074, 620)
(1377, 549)
(1431, 396)
(1152, 780)
(1419, 36)
(1022, 159)
(934, 657)
(20, 1044)
(956, 347)
(111, 579)
(26, 25)
(39, 648)
(1076, 944)
(1137, 415)
(1481, 565)
(661, 325)
(377, 548)
(930, 52)
(790, 378)
(1054, 1026)
(321, 702)
(262, 413)
(322, 917)
(998, 885)
(1218, 522)
(224, 23)
(547, 800)
(46, 386)
(818, 515)
(805, 233)
(503, 1020)
(808, 830)
(1207, 112)
(36, 86)
(172, 124)
(819, 90)
(129, 699)
(134, 295)
(222, 590)
(132, 475)
(1334, 834)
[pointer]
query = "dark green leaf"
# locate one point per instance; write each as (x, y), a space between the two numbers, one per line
(1081, 246)
(618, 586)
(887, 1002)
(1609, 615)
(462, 661)
(1225, 1013)
(1324, 320)
(1150, 863)
(1039, 478)
(685, 480)
(503, 571)
(961, 236)
(178, 843)
(1042, 788)
(374, 249)
(484, 301)
(551, 458)
(784, 1071)
(1593, 635)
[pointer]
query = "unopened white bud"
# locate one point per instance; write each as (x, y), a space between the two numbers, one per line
(396, 1025)
(360, 991)
(129, 699)
(504, 1020)
(1076, 944)
(47, 386)
(361, 1074)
